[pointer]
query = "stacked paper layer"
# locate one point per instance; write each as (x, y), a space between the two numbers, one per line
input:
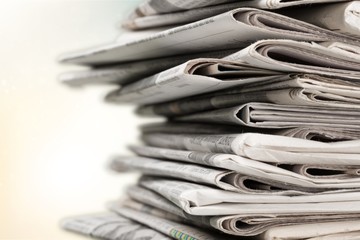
(262, 131)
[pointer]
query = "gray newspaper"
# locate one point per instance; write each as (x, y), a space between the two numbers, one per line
(342, 14)
(293, 56)
(241, 225)
(341, 17)
(309, 177)
(154, 7)
(310, 133)
(203, 200)
(236, 28)
(112, 227)
(168, 227)
(130, 72)
(263, 147)
(344, 230)
(248, 180)
(294, 89)
(196, 77)
(191, 78)
(268, 115)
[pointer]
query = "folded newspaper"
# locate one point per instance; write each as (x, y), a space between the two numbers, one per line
(263, 147)
(154, 7)
(236, 28)
(341, 17)
(310, 133)
(294, 89)
(261, 135)
(205, 75)
(267, 115)
(241, 225)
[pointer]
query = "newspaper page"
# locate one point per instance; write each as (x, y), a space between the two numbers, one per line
(300, 57)
(202, 200)
(136, 22)
(341, 17)
(294, 89)
(341, 48)
(170, 228)
(320, 171)
(111, 226)
(310, 133)
(263, 147)
(154, 7)
(131, 72)
(267, 115)
(220, 178)
(187, 79)
(306, 230)
(233, 29)
(344, 236)
(294, 175)
(240, 225)
(274, 55)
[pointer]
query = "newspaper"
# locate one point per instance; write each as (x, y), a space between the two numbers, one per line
(205, 75)
(294, 89)
(310, 133)
(248, 181)
(241, 225)
(233, 29)
(111, 226)
(154, 7)
(293, 56)
(130, 72)
(340, 17)
(136, 22)
(315, 231)
(263, 147)
(202, 200)
(354, 235)
(320, 171)
(341, 48)
(170, 228)
(191, 78)
(297, 176)
(267, 115)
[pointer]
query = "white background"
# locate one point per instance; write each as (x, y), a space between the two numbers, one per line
(55, 141)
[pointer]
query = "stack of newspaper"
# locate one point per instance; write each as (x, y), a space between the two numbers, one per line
(262, 138)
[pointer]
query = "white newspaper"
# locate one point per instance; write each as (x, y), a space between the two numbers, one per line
(321, 171)
(247, 181)
(191, 78)
(136, 22)
(153, 7)
(268, 115)
(263, 147)
(131, 72)
(170, 228)
(298, 176)
(310, 133)
(294, 89)
(202, 200)
(354, 235)
(205, 75)
(315, 231)
(111, 226)
(236, 28)
(293, 56)
(340, 17)
(241, 225)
